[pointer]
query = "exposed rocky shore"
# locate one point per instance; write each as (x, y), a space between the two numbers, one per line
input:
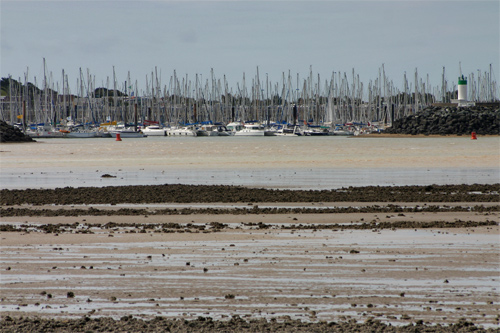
(235, 324)
(176, 193)
(251, 209)
(9, 133)
(402, 203)
(449, 121)
(84, 228)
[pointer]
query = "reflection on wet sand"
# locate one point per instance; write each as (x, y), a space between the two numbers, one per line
(315, 162)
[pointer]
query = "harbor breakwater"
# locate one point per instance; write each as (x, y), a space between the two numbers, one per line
(10, 133)
(449, 121)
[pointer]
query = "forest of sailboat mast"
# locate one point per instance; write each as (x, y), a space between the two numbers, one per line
(338, 99)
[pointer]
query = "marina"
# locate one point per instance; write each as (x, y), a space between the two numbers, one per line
(291, 105)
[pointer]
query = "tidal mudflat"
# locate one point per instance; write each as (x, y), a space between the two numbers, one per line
(396, 264)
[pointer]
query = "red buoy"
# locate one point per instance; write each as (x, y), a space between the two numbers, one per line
(473, 136)
(118, 137)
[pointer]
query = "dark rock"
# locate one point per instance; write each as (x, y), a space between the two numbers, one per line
(9, 133)
(235, 324)
(449, 121)
(177, 193)
(107, 175)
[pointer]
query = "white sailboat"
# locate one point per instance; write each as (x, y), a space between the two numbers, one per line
(125, 132)
(223, 130)
(82, 134)
(293, 130)
(45, 131)
(207, 130)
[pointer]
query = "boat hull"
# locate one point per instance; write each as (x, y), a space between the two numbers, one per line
(46, 135)
(155, 133)
(128, 134)
(343, 133)
(269, 133)
(181, 132)
(206, 133)
(81, 135)
(249, 133)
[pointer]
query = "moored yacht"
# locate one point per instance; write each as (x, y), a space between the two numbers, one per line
(316, 131)
(343, 130)
(292, 130)
(45, 131)
(222, 130)
(125, 132)
(235, 126)
(82, 134)
(181, 131)
(251, 129)
(154, 130)
(207, 130)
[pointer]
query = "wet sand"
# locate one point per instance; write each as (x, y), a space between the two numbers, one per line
(272, 162)
(314, 267)
(436, 275)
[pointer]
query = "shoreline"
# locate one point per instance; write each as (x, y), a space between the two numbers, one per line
(428, 262)
(369, 135)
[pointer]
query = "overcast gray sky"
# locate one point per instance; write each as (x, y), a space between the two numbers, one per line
(236, 37)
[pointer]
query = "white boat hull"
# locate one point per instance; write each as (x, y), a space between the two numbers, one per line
(128, 134)
(343, 133)
(285, 134)
(251, 129)
(181, 132)
(249, 133)
(154, 132)
(82, 135)
(47, 135)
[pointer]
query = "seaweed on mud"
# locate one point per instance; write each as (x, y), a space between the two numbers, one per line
(176, 193)
(234, 324)
(390, 208)
(217, 226)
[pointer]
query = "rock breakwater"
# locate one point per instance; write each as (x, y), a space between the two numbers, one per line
(9, 133)
(449, 121)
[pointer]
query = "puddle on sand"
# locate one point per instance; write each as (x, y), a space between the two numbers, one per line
(272, 274)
